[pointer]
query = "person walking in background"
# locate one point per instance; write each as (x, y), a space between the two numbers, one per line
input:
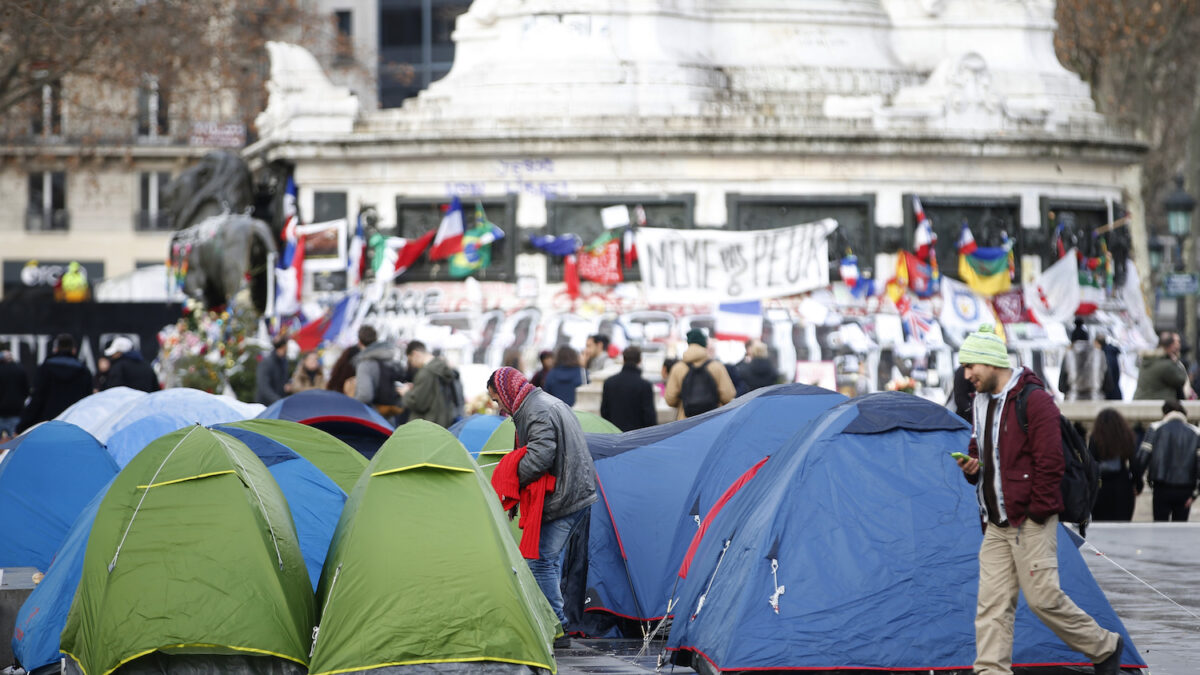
(308, 373)
(127, 368)
(1082, 374)
(710, 386)
(1018, 475)
(272, 375)
(1161, 376)
(14, 388)
(1169, 455)
(1111, 387)
(376, 373)
(758, 371)
(429, 395)
(554, 446)
(595, 352)
(546, 359)
(1113, 445)
(59, 382)
(566, 376)
(341, 375)
(628, 398)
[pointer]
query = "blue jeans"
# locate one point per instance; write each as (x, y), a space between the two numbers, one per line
(547, 569)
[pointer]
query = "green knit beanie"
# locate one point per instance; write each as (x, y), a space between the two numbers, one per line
(984, 346)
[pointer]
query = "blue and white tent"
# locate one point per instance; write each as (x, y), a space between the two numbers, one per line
(90, 412)
(855, 547)
(651, 478)
(47, 476)
(130, 429)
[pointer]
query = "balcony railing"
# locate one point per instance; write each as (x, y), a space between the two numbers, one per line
(148, 221)
(53, 220)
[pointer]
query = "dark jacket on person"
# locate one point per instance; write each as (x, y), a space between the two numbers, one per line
(1160, 377)
(562, 381)
(1112, 373)
(1169, 453)
(758, 372)
(428, 400)
(1031, 464)
(132, 371)
(270, 377)
(14, 388)
(60, 381)
(556, 445)
(1117, 495)
(628, 400)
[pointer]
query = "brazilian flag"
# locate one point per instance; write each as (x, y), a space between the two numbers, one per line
(476, 252)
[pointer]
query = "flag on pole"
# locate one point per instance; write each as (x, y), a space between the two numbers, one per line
(1054, 296)
(291, 219)
(476, 253)
(408, 253)
(449, 233)
(966, 241)
(560, 245)
(916, 275)
(924, 237)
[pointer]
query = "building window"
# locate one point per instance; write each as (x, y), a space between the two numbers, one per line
(150, 215)
(47, 209)
(343, 20)
(153, 118)
(855, 215)
(1080, 220)
(47, 118)
(415, 46)
(581, 216)
(415, 217)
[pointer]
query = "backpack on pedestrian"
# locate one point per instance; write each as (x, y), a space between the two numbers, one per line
(1081, 473)
(385, 388)
(452, 392)
(698, 394)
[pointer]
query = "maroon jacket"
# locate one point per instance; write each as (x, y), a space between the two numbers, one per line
(1031, 465)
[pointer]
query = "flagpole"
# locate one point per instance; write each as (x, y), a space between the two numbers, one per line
(270, 284)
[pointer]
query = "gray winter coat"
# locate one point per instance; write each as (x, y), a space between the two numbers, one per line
(556, 445)
(366, 370)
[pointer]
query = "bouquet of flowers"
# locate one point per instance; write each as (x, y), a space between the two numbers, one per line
(211, 351)
(904, 384)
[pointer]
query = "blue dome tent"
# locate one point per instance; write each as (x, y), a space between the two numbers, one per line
(649, 479)
(855, 547)
(349, 420)
(475, 430)
(47, 476)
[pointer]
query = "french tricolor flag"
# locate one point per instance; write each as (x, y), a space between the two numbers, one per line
(966, 241)
(449, 234)
(739, 321)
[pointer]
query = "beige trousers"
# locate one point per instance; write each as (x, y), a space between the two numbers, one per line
(1026, 559)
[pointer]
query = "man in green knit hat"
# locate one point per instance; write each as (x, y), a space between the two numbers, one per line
(1020, 497)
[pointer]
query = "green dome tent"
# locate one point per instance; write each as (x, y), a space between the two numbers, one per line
(192, 566)
(421, 571)
(342, 463)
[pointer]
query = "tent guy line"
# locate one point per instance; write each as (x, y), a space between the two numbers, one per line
(1147, 584)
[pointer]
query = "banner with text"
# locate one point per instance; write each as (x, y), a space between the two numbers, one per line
(720, 265)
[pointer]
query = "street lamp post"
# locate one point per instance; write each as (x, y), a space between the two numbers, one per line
(1179, 206)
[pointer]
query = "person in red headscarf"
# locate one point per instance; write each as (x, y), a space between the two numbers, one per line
(555, 446)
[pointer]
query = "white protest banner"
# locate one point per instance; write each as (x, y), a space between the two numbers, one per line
(680, 266)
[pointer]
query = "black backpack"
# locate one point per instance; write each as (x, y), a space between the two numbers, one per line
(699, 391)
(1081, 475)
(452, 392)
(385, 388)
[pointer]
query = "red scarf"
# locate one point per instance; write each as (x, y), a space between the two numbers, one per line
(531, 499)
